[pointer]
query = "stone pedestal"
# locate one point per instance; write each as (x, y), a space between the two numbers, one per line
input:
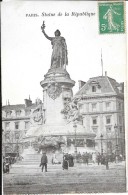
(57, 90)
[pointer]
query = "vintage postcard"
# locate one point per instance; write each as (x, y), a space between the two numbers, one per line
(63, 97)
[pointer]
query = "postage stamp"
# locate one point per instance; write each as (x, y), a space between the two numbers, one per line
(111, 17)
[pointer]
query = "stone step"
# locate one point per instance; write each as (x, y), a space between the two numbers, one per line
(30, 163)
(38, 160)
(32, 158)
(37, 157)
(37, 166)
(27, 163)
(33, 154)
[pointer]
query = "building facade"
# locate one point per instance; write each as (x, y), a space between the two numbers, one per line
(102, 107)
(16, 120)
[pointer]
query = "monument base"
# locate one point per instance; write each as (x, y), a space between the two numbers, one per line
(63, 138)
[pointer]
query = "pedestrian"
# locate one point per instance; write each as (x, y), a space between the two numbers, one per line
(121, 157)
(98, 158)
(86, 158)
(6, 168)
(44, 161)
(65, 162)
(112, 157)
(55, 160)
(71, 163)
(106, 162)
(78, 157)
(102, 159)
(83, 155)
(4, 165)
(94, 157)
(89, 156)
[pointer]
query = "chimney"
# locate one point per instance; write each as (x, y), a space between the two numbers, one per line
(28, 102)
(121, 87)
(81, 83)
(106, 73)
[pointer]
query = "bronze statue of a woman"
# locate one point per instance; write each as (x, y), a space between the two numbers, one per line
(59, 55)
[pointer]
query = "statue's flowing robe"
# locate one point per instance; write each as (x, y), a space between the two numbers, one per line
(59, 55)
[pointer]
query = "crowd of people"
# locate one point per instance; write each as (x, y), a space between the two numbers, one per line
(92, 158)
(68, 160)
(88, 157)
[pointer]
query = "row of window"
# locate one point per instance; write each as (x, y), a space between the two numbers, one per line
(18, 113)
(15, 136)
(108, 106)
(108, 129)
(108, 120)
(17, 125)
(80, 142)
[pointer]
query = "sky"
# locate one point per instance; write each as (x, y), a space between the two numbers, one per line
(26, 53)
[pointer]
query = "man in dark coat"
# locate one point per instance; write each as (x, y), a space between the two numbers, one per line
(44, 161)
(98, 158)
(6, 168)
(65, 161)
(86, 158)
(71, 163)
(106, 162)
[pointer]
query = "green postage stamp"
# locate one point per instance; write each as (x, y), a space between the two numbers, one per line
(111, 17)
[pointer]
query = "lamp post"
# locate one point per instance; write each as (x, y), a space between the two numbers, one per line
(43, 117)
(116, 138)
(3, 149)
(75, 126)
(101, 138)
(17, 146)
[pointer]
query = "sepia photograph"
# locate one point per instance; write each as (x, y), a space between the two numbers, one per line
(63, 97)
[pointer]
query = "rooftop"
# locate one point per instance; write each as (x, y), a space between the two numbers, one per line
(18, 107)
(106, 84)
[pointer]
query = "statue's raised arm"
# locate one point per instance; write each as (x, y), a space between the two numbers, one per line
(43, 31)
(59, 57)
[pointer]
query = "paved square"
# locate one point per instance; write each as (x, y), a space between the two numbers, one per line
(28, 179)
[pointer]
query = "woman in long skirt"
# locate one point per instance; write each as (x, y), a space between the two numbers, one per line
(71, 163)
(65, 162)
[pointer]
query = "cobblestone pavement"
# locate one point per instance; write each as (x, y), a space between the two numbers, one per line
(28, 179)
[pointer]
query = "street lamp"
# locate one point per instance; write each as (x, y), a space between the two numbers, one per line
(17, 146)
(3, 149)
(116, 138)
(101, 138)
(75, 126)
(43, 115)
